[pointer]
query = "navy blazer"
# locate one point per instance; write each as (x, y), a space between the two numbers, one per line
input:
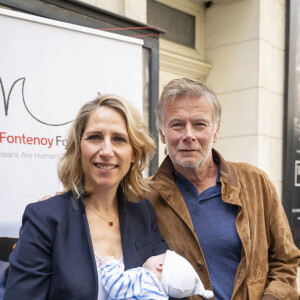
(54, 257)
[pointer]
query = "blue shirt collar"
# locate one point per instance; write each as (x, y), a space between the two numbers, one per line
(180, 177)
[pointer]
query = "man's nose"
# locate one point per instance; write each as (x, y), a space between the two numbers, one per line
(189, 133)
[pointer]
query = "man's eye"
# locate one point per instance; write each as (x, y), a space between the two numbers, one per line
(176, 125)
(200, 124)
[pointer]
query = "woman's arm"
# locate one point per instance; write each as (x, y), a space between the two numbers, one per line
(30, 263)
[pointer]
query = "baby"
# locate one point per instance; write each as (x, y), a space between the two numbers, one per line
(162, 276)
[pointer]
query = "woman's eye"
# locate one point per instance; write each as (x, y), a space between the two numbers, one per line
(120, 139)
(93, 137)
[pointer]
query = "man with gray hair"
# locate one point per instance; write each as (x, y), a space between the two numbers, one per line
(225, 218)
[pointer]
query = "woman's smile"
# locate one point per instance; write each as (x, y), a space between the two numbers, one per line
(105, 166)
(106, 151)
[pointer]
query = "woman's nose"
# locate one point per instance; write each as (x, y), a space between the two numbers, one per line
(106, 148)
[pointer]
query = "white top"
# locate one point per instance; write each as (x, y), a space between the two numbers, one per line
(136, 283)
(102, 294)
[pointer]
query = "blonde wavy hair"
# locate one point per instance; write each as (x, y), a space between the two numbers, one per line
(70, 166)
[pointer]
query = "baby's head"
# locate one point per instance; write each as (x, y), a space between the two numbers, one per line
(154, 264)
(177, 275)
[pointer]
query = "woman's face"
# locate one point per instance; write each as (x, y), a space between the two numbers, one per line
(106, 151)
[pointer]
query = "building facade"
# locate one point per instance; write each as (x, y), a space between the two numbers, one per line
(239, 51)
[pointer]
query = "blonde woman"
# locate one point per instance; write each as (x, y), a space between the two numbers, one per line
(64, 239)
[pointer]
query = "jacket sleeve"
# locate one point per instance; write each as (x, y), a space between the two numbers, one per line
(30, 262)
(283, 254)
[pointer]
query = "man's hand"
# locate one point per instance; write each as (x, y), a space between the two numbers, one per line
(44, 198)
(48, 196)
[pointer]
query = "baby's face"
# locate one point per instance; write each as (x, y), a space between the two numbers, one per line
(154, 264)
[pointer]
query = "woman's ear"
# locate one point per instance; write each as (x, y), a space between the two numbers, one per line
(133, 156)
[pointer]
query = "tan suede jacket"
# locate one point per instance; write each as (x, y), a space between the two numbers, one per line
(269, 260)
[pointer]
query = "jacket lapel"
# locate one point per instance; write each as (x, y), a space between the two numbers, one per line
(164, 183)
(78, 204)
(129, 259)
(232, 194)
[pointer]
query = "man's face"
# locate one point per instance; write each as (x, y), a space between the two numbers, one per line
(188, 132)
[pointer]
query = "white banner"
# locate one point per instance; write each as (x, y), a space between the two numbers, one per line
(48, 69)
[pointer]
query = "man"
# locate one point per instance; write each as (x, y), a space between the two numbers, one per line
(225, 218)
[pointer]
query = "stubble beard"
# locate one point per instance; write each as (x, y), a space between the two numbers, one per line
(197, 164)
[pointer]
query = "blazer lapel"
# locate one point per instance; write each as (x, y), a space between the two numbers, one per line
(128, 257)
(81, 207)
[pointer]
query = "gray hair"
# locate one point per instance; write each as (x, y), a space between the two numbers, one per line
(184, 87)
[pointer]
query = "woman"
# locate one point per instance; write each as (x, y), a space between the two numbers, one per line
(63, 239)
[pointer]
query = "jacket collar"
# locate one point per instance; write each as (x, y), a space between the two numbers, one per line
(229, 180)
(164, 183)
(228, 172)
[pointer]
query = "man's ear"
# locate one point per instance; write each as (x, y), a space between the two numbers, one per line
(216, 133)
(162, 136)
